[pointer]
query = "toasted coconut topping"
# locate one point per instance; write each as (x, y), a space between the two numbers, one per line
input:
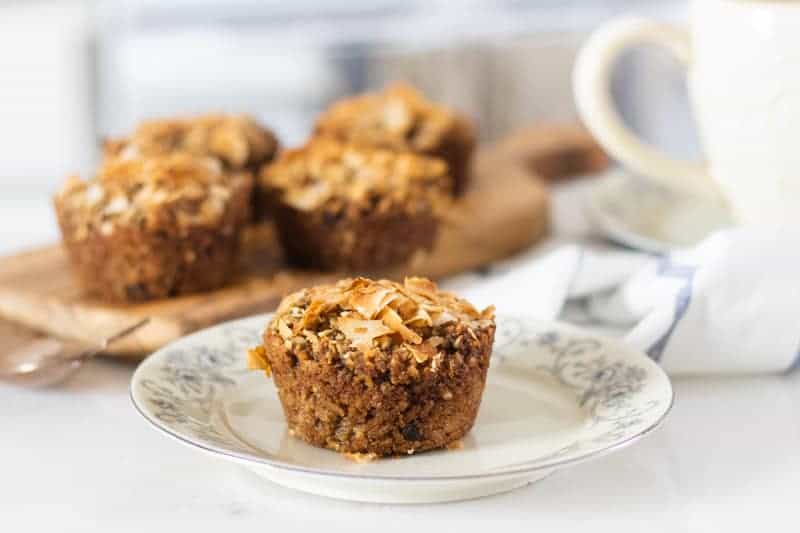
(395, 322)
(332, 174)
(420, 318)
(398, 118)
(369, 301)
(360, 458)
(423, 351)
(362, 332)
(237, 140)
(422, 287)
(362, 314)
(257, 360)
(283, 329)
(144, 192)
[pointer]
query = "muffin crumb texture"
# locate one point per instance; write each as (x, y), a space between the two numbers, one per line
(378, 367)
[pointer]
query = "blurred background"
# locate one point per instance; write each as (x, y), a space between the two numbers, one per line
(73, 72)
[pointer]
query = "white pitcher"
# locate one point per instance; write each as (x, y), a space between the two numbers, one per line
(743, 63)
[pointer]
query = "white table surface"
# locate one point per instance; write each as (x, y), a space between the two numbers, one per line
(79, 458)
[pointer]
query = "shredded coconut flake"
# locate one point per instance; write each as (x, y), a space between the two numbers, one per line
(362, 332)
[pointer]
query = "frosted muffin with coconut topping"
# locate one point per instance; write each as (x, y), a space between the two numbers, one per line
(154, 227)
(376, 367)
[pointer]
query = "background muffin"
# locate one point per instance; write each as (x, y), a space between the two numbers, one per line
(154, 227)
(400, 118)
(236, 140)
(346, 207)
(378, 367)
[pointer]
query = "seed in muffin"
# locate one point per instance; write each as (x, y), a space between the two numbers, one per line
(346, 207)
(381, 389)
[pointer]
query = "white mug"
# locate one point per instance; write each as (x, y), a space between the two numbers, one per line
(743, 63)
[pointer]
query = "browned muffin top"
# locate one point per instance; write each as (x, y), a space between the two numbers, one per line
(327, 172)
(176, 190)
(399, 118)
(373, 317)
(237, 140)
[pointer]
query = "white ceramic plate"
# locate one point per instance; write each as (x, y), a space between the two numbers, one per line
(640, 215)
(555, 395)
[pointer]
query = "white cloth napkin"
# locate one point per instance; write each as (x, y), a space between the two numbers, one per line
(729, 305)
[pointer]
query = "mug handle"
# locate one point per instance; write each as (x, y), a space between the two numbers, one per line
(592, 82)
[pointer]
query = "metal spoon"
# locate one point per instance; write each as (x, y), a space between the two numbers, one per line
(27, 358)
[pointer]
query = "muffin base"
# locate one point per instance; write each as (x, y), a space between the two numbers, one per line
(354, 242)
(132, 266)
(381, 406)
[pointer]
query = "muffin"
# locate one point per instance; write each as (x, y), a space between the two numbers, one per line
(400, 118)
(344, 207)
(154, 227)
(377, 367)
(238, 141)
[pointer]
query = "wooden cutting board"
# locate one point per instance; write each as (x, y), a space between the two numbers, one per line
(505, 210)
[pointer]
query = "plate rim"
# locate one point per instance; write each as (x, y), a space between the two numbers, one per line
(253, 460)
